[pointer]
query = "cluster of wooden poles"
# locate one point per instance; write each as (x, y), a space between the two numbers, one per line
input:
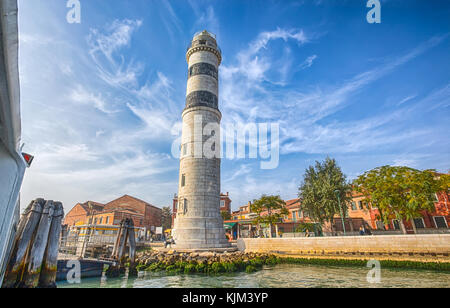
(125, 236)
(33, 260)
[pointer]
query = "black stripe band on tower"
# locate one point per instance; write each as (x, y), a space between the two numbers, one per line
(203, 69)
(202, 98)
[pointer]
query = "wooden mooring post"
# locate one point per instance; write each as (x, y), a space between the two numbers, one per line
(35, 247)
(47, 277)
(125, 236)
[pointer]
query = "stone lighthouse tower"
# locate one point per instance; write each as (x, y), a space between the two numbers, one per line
(199, 224)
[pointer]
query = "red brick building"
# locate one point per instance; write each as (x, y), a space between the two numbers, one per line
(79, 213)
(142, 213)
(225, 203)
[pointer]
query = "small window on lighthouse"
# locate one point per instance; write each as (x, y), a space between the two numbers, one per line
(184, 149)
(183, 180)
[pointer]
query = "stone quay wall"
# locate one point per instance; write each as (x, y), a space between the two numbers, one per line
(423, 247)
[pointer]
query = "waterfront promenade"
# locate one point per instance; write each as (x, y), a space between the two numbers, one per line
(422, 248)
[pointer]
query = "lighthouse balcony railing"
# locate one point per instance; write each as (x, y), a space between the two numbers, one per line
(198, 43)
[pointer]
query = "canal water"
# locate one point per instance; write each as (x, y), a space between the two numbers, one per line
(279, 276)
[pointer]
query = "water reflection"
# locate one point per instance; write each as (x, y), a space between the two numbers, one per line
(280, 276)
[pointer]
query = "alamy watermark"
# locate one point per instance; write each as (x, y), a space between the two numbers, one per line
(374, 274)
(74, 273)
(74, 14)
(374, 15)
(204, 140)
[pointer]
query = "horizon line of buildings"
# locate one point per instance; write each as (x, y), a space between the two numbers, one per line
(149, 217)
(359, 213)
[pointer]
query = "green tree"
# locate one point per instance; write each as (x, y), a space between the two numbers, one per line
(274, 207)
(303, 226)
(166, 218)
(319, 191)
(225, 215)
(401, 192)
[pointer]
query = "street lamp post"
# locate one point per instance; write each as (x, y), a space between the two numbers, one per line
(340, 209)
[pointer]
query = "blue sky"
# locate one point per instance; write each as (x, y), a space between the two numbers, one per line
(102, 100)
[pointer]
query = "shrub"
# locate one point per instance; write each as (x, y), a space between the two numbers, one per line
(272, 260)
(189, 268)
(180, 264)
(257, 262)
(217, 267)
(230, 267)
(200, 268)
(250, 269)
(153, 267)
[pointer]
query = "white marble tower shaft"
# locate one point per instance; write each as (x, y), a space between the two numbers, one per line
(198, 223)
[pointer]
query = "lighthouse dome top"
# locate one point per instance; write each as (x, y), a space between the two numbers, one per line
(204, 41)
(205, 33)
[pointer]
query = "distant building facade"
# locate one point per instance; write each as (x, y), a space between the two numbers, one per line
(143, 214)
(360, 213)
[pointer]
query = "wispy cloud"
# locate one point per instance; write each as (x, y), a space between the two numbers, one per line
(308, 62)
(206, 18)
(406, 99)
(300, 113)
(80, 95)
(104, 44)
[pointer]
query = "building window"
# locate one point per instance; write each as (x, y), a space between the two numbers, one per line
(294, 215)
(419, 223)
(185, 206)
(440, 222)
(95, 221)
(361, 207)
(183, 180)
(107, 220)
(354, 206)
(101, 219)
(222, 203)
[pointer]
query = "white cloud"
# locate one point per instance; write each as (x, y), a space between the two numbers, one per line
(80, 95)
(103, 45)
(406, 99)
(308, 62)
(118, 35)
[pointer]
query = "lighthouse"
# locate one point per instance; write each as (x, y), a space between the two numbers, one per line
(198, 223)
